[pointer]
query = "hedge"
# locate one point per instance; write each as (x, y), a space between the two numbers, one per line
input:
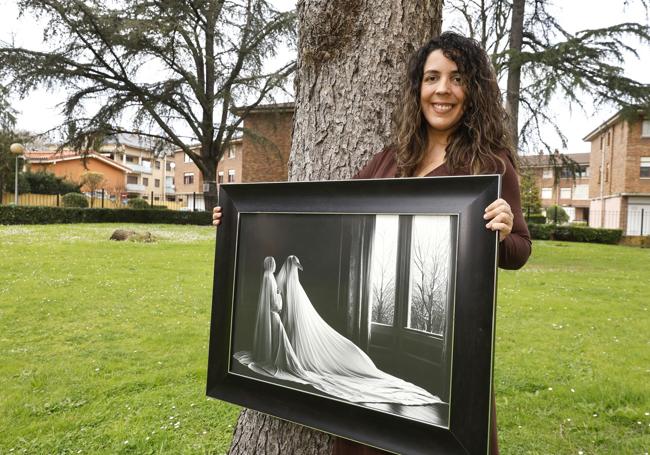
(10, 214)
(574, 233)
(537, 218)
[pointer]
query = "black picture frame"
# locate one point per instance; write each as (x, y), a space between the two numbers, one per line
(247, 209)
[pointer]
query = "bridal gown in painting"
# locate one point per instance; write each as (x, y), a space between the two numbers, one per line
(272, 354)
(310, 351)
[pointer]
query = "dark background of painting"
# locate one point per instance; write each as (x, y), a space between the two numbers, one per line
(314, 239)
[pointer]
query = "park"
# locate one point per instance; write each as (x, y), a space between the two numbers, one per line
(104, 345)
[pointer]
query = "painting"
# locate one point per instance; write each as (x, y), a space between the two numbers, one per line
(357, 306)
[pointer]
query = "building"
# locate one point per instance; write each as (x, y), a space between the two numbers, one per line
(71, 165)
(571, 191)
(620, 183)
(260, 155)
(189, 180)
(148, 171)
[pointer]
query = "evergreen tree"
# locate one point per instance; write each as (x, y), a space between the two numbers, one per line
(539, 58)
(530, 197)
(171, 70)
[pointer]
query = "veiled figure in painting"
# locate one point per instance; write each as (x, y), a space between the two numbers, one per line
(300, 346)
(272, 353)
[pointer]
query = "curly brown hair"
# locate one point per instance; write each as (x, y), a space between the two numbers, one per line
(481, 134)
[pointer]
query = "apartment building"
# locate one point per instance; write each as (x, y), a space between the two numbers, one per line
(569, 190)
(189, 180)
(260, 155)
(620, 183)
(149, 172)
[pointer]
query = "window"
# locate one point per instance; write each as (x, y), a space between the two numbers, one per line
(429, 271)
(132, 159)
(157, 164)
(565, 193)
(382, 279)
(169, 181)
(645, 167)
(186, 158)
(132, 179)
(156, 198)
(168, 166)
(231, 153)
(188, 178)
(645, 128)
(547, 193)
(231, 175)
(581, 192)
(220, 177)
(156, 183)
(548, 173)
(146, 163)
(145, 181)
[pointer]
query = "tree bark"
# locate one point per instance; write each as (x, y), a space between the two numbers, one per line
(351, 61)
(514, 68)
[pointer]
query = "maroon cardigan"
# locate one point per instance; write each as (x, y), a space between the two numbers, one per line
(513, 254)
(515, 249)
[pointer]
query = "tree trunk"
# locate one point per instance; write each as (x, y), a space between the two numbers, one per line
(351, 61)
(514, 68)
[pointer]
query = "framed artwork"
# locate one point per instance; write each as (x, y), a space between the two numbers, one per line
(362, 308)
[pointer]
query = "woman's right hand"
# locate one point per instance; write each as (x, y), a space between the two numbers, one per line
(216, 216)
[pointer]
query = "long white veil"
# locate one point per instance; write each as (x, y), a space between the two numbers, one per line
(332, 363)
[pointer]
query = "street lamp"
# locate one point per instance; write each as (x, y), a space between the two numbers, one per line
(17, 149)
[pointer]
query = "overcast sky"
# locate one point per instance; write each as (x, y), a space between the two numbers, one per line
(39, 111)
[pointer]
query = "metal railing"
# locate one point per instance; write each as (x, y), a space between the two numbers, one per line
(103, 199)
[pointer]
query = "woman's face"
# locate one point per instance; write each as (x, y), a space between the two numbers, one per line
(442, 93)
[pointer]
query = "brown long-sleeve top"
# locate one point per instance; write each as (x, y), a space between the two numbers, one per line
(515, 249)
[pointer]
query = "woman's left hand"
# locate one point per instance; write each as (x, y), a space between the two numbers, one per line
(501, 218)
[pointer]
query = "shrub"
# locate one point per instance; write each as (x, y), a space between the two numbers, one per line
(75, 200)
(24, 214)
(574, 233)
(556, 214)
(536, 218)
(137, 203)
(541, 231)
(587, 234)
(47, 183)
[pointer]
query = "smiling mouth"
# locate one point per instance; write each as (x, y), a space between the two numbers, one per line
(442, 108)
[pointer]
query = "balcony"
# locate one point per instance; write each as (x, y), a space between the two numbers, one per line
(138, 168)
(170, 189)
(135, 188)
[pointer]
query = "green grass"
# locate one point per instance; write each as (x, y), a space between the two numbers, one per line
(103, 346)
(573, 351)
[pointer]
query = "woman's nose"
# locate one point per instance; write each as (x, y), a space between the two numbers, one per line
(443, 85)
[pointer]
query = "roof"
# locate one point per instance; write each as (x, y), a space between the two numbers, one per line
(48, 156)
(603, 126)
(542, 159)
(267, 108)
(130, 140)
(193, 147)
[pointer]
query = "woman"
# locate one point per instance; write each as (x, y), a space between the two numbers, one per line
(272, 354)
(453, 123)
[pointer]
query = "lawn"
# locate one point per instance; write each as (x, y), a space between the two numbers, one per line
(103, 346)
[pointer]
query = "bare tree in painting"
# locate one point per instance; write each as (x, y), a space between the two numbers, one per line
(429, 291)
(383, 295)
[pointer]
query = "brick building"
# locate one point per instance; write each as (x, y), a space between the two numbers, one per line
(260, 155)
(571, 191)
(71, 166)
(620, 186)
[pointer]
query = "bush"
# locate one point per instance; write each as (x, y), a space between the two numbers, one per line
(75, 200)
(137, 203)
(541, 231)
(24, 214)
(536, 218)
(47, 183)
(556, 214)
(574, 233)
